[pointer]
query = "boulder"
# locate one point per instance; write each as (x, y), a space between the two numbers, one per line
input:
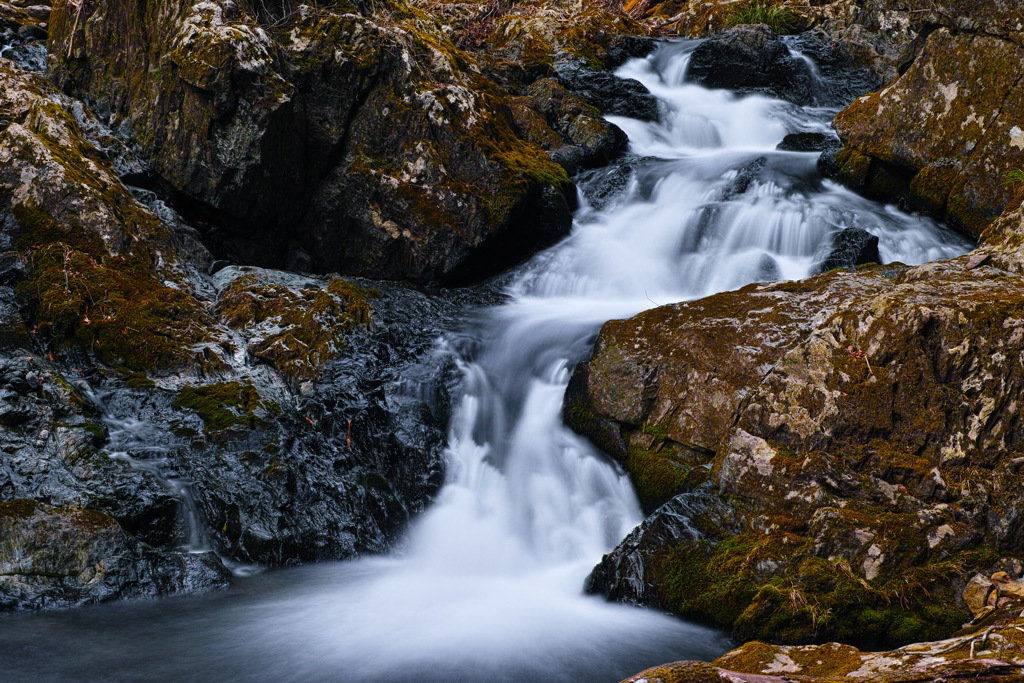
(329, 140)
(976, 594)
(751, 58)
(944, 135)
(820, 412)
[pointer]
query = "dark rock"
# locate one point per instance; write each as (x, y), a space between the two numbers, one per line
(626, 48)
(751, 58)
(840, 72)
(851, 247)
(611, 95)
(807, 142)
(29, 32)
(320, 138)
(67, 556)
(604, 186)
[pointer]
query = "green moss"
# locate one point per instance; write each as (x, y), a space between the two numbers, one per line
(116, 307)
(20, 508)
(225, 405)
(138, 380)
(810, 599)
(95, 429)
(664, 470)
(308, 326)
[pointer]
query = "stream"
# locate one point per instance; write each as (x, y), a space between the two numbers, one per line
(488, 583)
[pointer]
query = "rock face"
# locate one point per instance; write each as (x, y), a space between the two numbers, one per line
(946, 133)
(845, 437)
(129, 375)
(336, 138)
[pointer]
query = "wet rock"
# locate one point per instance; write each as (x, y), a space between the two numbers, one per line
(751, 59)
(61, 557)
(257, 408)
(806, 142)
(940, 137)
(850, 247)
(611, 95)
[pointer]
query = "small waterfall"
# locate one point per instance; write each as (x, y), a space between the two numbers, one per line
(489, 583)
(490, 580)
(132, 441)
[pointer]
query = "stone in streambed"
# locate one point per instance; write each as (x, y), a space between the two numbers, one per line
(61, 557)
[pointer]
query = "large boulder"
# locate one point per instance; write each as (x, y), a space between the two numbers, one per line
(327, 140)
(860, 430)
(945, 134)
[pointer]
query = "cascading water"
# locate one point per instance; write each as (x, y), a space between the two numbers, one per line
(488, 585)
(131, 440)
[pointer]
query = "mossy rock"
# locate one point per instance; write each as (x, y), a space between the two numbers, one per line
(227, 406)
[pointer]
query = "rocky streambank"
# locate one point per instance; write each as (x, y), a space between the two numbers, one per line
(834, 458)
(191, 192)
(173, 402)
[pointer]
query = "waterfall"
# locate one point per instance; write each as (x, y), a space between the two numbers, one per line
(488, 584)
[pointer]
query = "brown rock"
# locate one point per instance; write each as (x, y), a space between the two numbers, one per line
(327, 141)
(976, 593)
(943, 134)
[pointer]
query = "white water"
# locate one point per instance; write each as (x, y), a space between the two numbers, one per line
(488, 585)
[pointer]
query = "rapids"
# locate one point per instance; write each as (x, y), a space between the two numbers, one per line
(487, 584)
